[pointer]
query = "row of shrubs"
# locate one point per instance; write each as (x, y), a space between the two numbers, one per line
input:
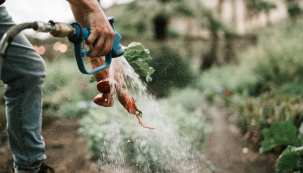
(267, 74)
(265, 88)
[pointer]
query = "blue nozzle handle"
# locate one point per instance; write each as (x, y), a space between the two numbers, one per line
(82, 34)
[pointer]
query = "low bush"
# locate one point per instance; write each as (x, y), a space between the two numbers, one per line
(284, 134)
(277, 60)
(64, 87)
(260, 113)
(171, 71)
(189, 98)
(116, 137)
(236, 79)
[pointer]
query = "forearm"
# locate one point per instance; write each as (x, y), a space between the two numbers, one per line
(90, 15)
(86, 5)
(79, 15)
(82, 7)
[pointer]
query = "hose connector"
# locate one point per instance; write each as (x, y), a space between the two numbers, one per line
(56, 29)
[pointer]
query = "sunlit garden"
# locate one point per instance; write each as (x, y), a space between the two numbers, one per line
(194, 69)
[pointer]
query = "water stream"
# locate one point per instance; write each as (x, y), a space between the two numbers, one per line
(153, 150)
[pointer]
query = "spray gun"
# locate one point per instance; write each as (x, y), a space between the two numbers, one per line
(74, 32)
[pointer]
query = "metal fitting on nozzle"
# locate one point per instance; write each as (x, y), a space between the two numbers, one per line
(56, 29)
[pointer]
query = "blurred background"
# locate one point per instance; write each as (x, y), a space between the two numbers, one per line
(237, 62)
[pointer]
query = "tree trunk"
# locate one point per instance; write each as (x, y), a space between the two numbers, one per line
(209, 58)
(160, 23)
(268, 22)
(219, 8)
(230, 55)
(234, 13)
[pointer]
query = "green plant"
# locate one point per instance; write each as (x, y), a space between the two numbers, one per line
(261, 112)
(191, 123)
(279, 134)
(137, 57)
(116, 137)
(171, 71)
(237, 79)
(188, 98)
(64, 87)
(283, 134)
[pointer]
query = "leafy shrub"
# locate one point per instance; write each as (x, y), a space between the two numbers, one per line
(137, 56)
(114, 135)
(64, 87)
(191, 123)
(277, 59)
(260, 113)
(171, 71)
(188, 98)
(282, 134)
(239, 80)
(293, 88)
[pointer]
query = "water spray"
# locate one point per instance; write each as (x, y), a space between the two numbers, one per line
(74, 32)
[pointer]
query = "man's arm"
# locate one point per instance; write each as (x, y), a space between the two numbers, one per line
(95, 62)
(89, 14)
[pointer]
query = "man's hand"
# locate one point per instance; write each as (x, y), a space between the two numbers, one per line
(101, 33)
(90, 15)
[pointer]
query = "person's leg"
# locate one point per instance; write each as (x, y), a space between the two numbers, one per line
(23, 73)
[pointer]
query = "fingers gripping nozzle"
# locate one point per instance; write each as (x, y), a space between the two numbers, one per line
(76, 34)
(82, 34)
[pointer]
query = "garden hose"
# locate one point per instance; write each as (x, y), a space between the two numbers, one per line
(8, 38)
(56, 29)
(74, 32)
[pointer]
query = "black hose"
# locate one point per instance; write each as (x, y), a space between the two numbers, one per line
(9, 35)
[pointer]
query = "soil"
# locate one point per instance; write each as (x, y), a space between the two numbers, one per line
(229, 152)
(226, 149)
(65, 149)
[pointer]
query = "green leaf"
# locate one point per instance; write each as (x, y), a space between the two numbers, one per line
(148, 78)
(92, 79)
(279, 134)
(135, 45)
(299, 142)
(138, 60)
(288, 159)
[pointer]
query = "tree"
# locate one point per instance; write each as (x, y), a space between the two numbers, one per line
(214, 26)
(293, 9)
(255, 7)
(158, 13)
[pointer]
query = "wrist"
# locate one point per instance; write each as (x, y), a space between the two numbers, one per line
(93, 59)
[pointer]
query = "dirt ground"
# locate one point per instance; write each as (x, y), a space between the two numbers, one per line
(229, 152)
(226, 149)
(65, 149)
